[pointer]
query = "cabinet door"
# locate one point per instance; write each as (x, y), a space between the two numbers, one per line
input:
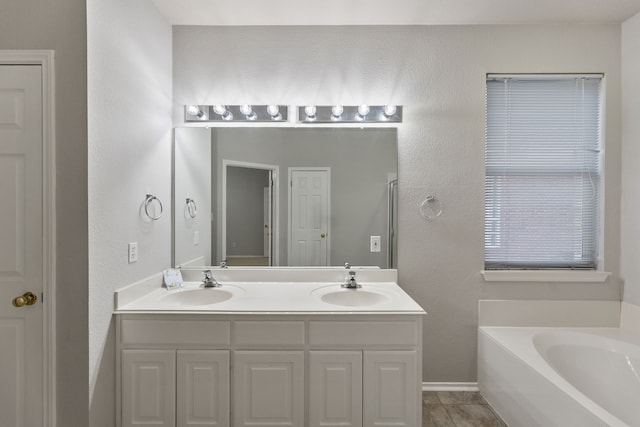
(268, 388)
(390, 386)
(148, 388)
(203, 388)
(335, 388)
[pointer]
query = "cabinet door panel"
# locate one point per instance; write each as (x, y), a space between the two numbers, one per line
(335, 388)
(203, 388)
(268, 388)
(390, 386)
(148, 388)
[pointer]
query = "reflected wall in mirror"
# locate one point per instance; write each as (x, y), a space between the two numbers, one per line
(285, 196)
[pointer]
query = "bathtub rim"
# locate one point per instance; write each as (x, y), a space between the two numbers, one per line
(518, 342)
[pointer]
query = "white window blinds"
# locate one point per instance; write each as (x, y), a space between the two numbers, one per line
(542, 185)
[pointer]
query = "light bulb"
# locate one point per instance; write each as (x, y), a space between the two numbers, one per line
(194, 110)
(336, 111)
(219, 109)
(246, 109)
(310, 111)
(274, 112)
(363, 110)
(389, 110)
(227, 115)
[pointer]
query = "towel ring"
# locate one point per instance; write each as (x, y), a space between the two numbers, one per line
(192, 209)
(147, 202)
(431, 208)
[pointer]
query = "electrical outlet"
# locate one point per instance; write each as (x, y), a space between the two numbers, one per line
(133, 252)
(375, 244)
(196, 238)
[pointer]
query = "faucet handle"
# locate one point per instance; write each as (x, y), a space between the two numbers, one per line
(347, 265)
(351, 281)
(223, 263)
(208, 276)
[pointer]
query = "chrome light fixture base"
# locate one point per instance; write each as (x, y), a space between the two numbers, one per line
(350, 114)
(236, 113)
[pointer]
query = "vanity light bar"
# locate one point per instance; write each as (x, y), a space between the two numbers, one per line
(350, 114)
(236, 113)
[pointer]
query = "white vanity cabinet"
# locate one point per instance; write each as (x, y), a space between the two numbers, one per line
(152, 379)
(203, 388)
(268, 388)
(296, 370)
(148, 387)
(349, 388)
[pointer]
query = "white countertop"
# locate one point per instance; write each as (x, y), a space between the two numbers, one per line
(274, 297)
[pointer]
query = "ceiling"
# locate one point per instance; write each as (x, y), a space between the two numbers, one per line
(394, 12)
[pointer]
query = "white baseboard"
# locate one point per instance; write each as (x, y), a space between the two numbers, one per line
(450, 386)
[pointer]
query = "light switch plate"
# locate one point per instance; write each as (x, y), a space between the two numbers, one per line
(375, 244)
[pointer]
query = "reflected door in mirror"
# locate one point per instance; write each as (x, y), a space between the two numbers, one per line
(309, 216)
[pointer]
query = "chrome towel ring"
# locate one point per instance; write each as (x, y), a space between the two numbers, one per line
(148, 202)
(431, 208)
(192, 209)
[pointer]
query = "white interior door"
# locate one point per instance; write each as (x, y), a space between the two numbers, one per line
(309, 217)
(21, 246)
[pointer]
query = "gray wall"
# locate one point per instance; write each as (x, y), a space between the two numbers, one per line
(630, 224)
(130, 138)
(61, 25)
(438, 73)
(192, 171)
(360, 163)
(245, 210)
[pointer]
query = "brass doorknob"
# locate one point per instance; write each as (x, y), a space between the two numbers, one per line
(323, 235)
(29, 298)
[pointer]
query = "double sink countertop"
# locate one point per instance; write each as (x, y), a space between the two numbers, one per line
(282, 290)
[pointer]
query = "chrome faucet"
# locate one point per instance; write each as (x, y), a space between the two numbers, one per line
(351, 281)
(223, 263)
(209, 281)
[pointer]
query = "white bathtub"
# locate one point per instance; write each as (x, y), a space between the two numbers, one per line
(560, 376)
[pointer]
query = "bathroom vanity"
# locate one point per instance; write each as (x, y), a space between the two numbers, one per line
(272, 347)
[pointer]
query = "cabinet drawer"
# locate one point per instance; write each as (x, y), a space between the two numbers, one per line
(358, 334)
(268, 334)
(175, 333)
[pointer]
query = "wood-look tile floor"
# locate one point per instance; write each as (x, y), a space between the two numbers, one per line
(457, 409)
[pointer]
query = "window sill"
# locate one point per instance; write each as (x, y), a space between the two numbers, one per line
(545, 276)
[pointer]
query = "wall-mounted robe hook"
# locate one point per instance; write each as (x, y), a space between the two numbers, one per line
(148, 202)
(192, 209)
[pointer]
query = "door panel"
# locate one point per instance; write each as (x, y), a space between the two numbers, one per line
(335, 388)
(203, 388)
(21, 246)
(148, 388)
(390, 384)
(268, 388)
(309, 217)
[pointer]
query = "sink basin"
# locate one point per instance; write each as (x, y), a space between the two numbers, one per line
(351, 297)
(199, 296)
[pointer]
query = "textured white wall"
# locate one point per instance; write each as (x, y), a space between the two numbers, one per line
(129, 102)
(192, 166)
(438, 73)
(61, 25)
(630, 224)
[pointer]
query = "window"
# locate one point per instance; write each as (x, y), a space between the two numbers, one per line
(543, 171)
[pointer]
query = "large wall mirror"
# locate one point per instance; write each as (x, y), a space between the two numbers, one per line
(285, 196)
